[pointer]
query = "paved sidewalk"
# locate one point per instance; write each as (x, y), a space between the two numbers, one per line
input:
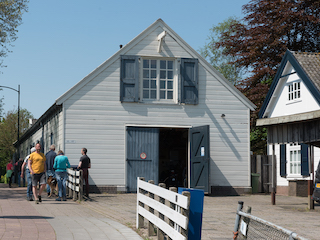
(220, 212)
(113, 216)
(20, 219)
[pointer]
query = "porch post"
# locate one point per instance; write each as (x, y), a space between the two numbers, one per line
(311, 181)
(273, 175)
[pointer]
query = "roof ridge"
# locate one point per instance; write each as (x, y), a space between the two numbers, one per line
(307, 53)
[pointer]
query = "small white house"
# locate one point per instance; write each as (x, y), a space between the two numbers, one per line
(291, 111)
(155, 109)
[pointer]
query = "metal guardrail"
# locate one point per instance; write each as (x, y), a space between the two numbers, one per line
(248, 226)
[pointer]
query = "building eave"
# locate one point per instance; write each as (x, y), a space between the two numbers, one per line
(39, 123)
(308, 116)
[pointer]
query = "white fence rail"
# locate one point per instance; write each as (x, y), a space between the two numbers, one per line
(75, 184)
(166, 211)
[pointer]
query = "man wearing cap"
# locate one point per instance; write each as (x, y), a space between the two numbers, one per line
(37, 167)
(29, 180)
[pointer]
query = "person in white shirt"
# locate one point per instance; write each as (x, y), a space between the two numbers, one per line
(29, 180)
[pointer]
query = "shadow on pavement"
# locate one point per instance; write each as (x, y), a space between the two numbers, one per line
(26, 217)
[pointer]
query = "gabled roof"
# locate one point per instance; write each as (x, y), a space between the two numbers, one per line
(307, 66)
(180, 41)
(54, 109)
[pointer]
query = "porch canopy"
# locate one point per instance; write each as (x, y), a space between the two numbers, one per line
(296, 128)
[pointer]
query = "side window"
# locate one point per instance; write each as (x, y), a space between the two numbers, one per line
(294, 159)
(51, 138)
(298, 159)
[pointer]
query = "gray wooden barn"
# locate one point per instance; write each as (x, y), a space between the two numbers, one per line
(155, 109)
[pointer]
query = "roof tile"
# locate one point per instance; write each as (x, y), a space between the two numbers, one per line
(310, 62)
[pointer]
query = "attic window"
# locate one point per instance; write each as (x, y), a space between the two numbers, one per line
(158, 83)
(294, 91)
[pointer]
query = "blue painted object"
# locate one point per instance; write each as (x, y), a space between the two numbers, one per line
(195, 213)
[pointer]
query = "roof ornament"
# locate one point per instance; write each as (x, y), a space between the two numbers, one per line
(160, 40)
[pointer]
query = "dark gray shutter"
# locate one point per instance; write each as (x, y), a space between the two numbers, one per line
(189, 80)
(129, 79)
(304, 160)
(283, 160)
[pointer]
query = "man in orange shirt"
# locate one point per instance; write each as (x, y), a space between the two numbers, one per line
(37, 167)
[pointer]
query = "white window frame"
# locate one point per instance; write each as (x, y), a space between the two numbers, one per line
(175, 81)
(294, 91)
(294, 160)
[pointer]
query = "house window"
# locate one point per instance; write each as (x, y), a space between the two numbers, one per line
(295, 159)
(51, 138)
(294, 91)
(158, 79)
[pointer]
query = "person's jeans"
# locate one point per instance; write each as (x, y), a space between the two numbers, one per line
(50, 173)
(29, 187)
(62, 180)
(10, 180)
(85, 173)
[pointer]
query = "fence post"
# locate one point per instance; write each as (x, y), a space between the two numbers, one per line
(70, 189)
(161, 235)
(80, 185)
(236, 224)
(273, 176)
(74, 186)
(246, 219)
(173, 206)
(151, 229)
(185, 212)
(140, 218)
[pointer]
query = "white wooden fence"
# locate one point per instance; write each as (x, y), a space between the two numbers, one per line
(75, 184)
(166, 211)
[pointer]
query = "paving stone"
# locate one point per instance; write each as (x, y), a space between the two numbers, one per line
(114, 216)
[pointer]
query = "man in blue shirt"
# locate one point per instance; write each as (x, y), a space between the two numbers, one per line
(50, 156)
(61, 163)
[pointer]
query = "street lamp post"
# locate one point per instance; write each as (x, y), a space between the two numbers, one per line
(18, 91)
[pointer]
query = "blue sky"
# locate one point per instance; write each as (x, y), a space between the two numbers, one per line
(60, 42)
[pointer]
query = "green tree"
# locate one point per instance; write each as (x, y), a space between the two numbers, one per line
(10, 18)
(259, 42)
(9, 132)
(216, 55)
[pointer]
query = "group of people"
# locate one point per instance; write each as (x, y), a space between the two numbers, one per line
(11, 169)
(39, 167)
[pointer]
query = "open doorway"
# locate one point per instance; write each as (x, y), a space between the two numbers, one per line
(173, 157)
